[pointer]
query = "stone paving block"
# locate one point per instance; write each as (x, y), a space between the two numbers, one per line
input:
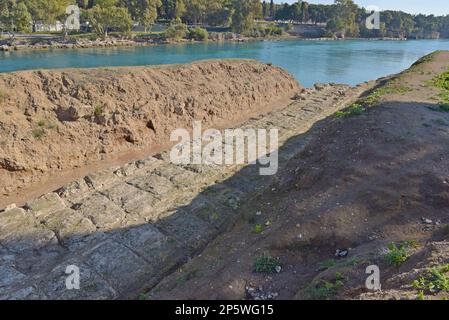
(155, 184)
(160, 251)
(46, 205)
(119, 265)
(126, 170)
(18, 232)
(102, 179)
(70, 226)
(27, 293)
(188, 229)
(91, 285)
(179, 176)
(136, 202)
(223, 194)
(149, 164)
(101, 211)
(8, 277)
(74, 191)
(216, 214)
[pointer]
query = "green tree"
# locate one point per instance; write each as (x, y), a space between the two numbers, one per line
(143, 11)
(103, 20)
(246, 11)
(14, 17)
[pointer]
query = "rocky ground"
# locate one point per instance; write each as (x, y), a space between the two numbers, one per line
(150, 213)
(56, 125)
(363, 181)
(371, 188)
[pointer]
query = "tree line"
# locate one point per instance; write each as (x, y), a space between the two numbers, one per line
(343, 17)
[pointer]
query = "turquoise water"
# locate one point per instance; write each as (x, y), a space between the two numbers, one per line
(348, 62)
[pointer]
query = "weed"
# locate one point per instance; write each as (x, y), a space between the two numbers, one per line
(41, 123)
(38, 134)
(182, 279)
(399, 253)
(258, 228)
(354, 110)
(326, 289)
(142, 296)
(329, 264)
(442, 81)
(266, 264)
(374, 97)
(436, 279)
(421, 295)
(98, 110)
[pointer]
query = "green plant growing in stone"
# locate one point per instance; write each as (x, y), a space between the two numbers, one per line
(266, 264)
(399, 253)
(354, 110)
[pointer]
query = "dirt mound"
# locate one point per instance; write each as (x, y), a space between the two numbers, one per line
(54, 121)
(371, 188)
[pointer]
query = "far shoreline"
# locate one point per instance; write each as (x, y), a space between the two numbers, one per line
(127, 43)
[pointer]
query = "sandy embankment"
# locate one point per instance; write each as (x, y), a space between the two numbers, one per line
(57, 125)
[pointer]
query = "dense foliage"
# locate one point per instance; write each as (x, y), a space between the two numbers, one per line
(343, 17)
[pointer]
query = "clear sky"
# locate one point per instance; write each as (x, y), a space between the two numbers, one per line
(436, 7)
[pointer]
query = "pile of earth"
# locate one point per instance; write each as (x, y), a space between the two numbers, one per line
(53, 123)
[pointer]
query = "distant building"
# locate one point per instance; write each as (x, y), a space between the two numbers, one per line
(39, 26)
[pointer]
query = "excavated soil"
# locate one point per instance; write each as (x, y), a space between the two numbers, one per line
(56, 126)
(362, 183)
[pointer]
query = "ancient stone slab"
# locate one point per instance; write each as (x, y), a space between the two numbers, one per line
(101, 211)
(179, 176)
(69, 225)
(188, 229)
(140, 205)
(160, 251)
(92, 286)
(148, 164)
(211, 212)
(119, 265)
(9, 276)
(102, 179)
(74, 191)
(46, 205)
(27, 293)
(18, 232)
(156, 184)
(126, 170)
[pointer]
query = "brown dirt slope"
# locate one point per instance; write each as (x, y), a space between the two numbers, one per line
(366, 180)
(55, 121)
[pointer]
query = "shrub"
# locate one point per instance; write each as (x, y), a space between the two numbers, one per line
(354, 110)
(266, 264)
(436, 279)
(198, 34)
(177, 30)
(399, 253)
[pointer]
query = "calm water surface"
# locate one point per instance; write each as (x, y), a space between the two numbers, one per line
(348, 62)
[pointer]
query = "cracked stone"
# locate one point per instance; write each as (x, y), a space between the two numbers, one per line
(92, 286)
(101, 211)
(119, 265)
(46, 205)
(138, 203)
